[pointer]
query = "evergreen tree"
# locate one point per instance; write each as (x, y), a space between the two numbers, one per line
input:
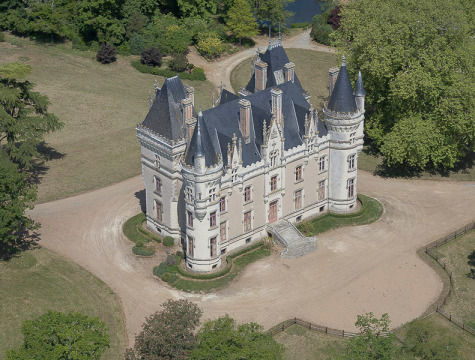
(241, 21)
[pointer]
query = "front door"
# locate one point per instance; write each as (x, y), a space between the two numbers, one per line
(273, 211)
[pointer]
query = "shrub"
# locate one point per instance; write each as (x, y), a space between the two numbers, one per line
(151, 57)
(168, 241)
(123, 49)
(143, 251)
(210, 45)
(197, 74)
(2, 36)
(171, 260)
(321, 30)
(163, 268)
(139, 243)
(107, 54)
(169, 277)
(137, 44)
(178, 62)
(180, 254)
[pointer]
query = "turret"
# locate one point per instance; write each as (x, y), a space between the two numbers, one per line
(360, 93)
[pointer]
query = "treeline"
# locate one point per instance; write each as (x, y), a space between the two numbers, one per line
(134, 25)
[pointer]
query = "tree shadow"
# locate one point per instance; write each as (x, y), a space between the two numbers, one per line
(140, 195)
(40, 167)
(27, 240)
(471, 262)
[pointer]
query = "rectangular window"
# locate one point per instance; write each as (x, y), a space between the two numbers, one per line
(212, 219)
(321, 163)
(158, 184)
(273, 183)
(222, 231)
(190, 218)
(247, 194)
(351, 188)
(352, 138)
(213, 245)
(321, 190)
(222, 204)
(247, 221)
(159, 210)
(351, 162)
(298, 199)
(212, 194)
(298, 173)
(190, 248)
(157, 161)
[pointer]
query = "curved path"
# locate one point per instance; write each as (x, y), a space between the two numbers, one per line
(354, 270)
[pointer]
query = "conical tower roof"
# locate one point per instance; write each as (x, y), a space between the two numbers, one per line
(342, 99)
(359, 89)
(201, 145)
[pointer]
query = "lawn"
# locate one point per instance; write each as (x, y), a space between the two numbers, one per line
(37, 281)
(100, 106)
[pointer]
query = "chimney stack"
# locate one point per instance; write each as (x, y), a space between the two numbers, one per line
(289, 71)
(260, 75)
(245, 119)
(276, 94)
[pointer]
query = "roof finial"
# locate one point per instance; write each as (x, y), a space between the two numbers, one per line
(343, 61)
(280, 37)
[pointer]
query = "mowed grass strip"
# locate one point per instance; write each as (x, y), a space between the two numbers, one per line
(100, 106)
(38, 281)
(371, 210)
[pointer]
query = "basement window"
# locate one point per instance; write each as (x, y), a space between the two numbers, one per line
(248, 240)
(322, 208)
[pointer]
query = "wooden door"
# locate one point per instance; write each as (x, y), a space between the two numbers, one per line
(273, 211)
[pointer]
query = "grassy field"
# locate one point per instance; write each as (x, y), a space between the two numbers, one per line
(100, 106)
(38, 281)
(304, 344)
(462, 302)
(311, 68)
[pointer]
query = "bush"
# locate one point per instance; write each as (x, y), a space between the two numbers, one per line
(178, 62)
(139, 243)
(163, 268)
(210, 45)
(321, 31)
(123, 49)
(151, 57)
(169, 277)
(107, 54)
(180, 254)
(197, 74)
(171, 260)
(137, 44)
(143, 251)
(168, 241)
(2, 36)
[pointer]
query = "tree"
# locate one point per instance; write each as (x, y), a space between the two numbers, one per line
(151, 57)
(224, 339)
(199, 8)
(210, 45)
(16, 195)
(58, 336)
(167, 334)
(241, 21)
(471, 263)
(178, 62)
(106, 54)
(430, 343)
(272, 11)
(24, 116)
(418, 73)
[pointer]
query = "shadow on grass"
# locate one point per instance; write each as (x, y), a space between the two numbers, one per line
(27, 240)
(40, 167)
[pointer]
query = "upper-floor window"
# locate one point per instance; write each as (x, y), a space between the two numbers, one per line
(222, 204)
(352, 138)
(247, 194)
(247, 221)
(351, 188)
(234, 176)
(212, 219)
(157, 161)
(273, 158)
(159, 210)
(189, 218)
(298, 199)
(189, 193)
(321, 190)
(213, 246)
(157, 184)
(273, 183)
(322, 163)
(351, 162)
(298, 173)
(212, 194)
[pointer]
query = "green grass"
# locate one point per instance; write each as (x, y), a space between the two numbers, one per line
(304, 344)
(311, 68)
(370, 211)
(37, 281)
(100, 106)
(462, 302)
(189, 284)
(133, 230)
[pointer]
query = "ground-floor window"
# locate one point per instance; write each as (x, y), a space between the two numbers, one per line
(222, 231)
(159, 210)
(321, 190)
(351, 188)
(213, 245)
(190, 247)
(247, 221)
(298, 199)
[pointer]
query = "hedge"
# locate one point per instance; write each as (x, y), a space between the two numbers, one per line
(143, 251)
(197, 74)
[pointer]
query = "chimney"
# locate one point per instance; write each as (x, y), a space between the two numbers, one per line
(190, 93)
(289, 71)
(333, 72)
(261, 75)
(276, 94)
(244, 117)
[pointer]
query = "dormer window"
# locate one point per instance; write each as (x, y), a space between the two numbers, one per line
(273, 158)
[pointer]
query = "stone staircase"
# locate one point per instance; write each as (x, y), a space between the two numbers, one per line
(296, 245)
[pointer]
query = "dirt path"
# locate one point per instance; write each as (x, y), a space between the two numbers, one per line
(219, 71)
(354, 270)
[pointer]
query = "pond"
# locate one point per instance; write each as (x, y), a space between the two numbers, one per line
(304, 10)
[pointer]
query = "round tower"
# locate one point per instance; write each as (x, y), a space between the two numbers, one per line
(202, 169)
(344, 118)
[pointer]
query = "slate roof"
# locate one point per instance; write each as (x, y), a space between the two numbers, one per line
(165, 116)
(342, 99)
(359, 89)
(201, 145)
(275, 57)
(226, 96)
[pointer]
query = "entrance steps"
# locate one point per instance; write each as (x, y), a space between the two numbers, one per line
(296, 245)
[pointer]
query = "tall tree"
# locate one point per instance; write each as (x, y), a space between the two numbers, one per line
(272, 11)
(223, 339)
(58, 336)
(241, 21)
(200, 8)
(167, 334)
(16, 195)
(418, 73)
(24, 116)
